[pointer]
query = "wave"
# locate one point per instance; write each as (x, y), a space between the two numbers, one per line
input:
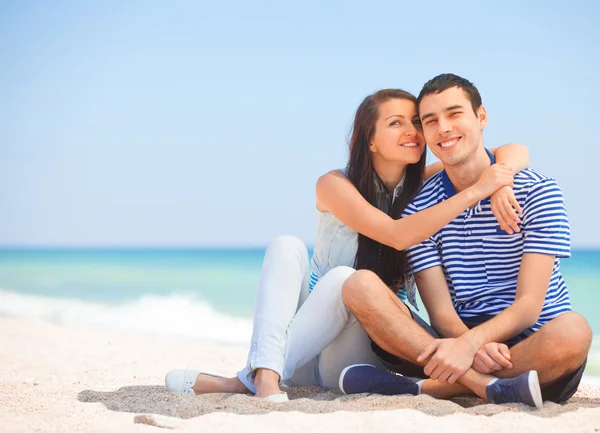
(177, 315)
(592, 370)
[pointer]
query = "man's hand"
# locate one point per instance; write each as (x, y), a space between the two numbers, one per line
(450, 359)
(492, 357)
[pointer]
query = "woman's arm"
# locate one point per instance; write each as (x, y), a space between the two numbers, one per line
(336, 194)
(434, 168)
(505, 206)
(514, 155)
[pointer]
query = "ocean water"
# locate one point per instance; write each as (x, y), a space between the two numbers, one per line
(203, 294)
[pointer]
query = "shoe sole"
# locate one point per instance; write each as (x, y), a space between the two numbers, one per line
(345, 370)
(534, 388)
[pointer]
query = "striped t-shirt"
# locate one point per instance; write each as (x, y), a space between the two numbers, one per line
(480, 261)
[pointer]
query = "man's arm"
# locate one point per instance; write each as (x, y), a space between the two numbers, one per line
(450, 357)
(533, 281)
(438, 303)
(546, 236)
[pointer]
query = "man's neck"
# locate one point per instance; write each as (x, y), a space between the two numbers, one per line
(390, 173)
(467, 174)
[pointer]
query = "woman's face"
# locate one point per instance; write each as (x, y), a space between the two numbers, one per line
(398, 134)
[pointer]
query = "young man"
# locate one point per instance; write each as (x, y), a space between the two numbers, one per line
(498, 304)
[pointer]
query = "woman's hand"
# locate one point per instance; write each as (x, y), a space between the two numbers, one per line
(506, 209)
(492, 179)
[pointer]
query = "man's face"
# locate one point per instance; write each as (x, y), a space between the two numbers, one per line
(452, 130)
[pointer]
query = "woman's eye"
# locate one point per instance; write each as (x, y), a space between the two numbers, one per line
(417, 122)
(395, 122)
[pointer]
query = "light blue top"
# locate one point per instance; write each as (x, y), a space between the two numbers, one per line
(336, 245)
(481, 262)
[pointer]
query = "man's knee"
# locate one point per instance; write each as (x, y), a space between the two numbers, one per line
(574, 333)
(358, 287)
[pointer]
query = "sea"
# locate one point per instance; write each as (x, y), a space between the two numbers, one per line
(201, 294)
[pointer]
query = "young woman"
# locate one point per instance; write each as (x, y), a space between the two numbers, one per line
(308, 340)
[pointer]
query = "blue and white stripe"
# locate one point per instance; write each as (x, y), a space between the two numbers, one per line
(481, 262)
(312, 280)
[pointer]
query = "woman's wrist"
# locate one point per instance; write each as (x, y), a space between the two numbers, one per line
(472, 195)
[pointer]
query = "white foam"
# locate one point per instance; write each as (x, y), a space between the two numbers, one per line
(174, 315)
(590, 380)
(184, 316)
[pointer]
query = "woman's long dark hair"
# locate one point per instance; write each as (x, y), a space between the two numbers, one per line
(388, 263)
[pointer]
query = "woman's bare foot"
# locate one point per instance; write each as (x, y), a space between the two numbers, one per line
(206, 384)
(266, 382)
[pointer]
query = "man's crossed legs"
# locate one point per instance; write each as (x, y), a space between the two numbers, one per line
(558, 351)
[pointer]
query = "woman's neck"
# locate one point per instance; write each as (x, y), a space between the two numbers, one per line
(390, 173)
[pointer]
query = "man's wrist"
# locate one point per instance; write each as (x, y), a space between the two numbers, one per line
(472, 339)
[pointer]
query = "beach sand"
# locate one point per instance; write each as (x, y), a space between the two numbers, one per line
(75, 378)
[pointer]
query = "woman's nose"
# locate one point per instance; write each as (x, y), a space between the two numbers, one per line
(411, 130)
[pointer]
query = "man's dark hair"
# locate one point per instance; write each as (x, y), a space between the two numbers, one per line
(447, 81)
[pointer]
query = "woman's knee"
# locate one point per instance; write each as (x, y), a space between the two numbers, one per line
(286, 244)
(332, 282)
(340, 274)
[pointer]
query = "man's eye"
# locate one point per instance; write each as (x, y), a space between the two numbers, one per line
(455, 113)
(430, 122)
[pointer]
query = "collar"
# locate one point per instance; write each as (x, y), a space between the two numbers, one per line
(382, 190)
(450, 191)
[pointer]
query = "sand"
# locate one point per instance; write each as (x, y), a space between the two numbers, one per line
(56, 377)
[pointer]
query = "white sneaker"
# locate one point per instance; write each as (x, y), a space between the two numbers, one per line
(181, 381)
(277, 398)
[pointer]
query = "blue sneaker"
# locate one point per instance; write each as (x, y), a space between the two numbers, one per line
(359, 378)
(521, 389)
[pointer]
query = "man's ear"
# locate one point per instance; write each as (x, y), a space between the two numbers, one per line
(482, 116)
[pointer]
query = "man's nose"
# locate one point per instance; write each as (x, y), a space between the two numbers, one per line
(444, 126)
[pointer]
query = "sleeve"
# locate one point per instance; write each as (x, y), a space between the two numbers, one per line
(424, 255)
(545, 221)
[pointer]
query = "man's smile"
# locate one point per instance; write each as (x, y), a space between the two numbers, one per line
(449, 143)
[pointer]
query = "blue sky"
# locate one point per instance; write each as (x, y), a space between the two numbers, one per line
(154, 123)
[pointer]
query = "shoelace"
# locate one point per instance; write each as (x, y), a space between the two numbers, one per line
(505, 391)
(392, 378)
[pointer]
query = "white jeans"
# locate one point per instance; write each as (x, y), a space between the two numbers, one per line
(307, 340)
